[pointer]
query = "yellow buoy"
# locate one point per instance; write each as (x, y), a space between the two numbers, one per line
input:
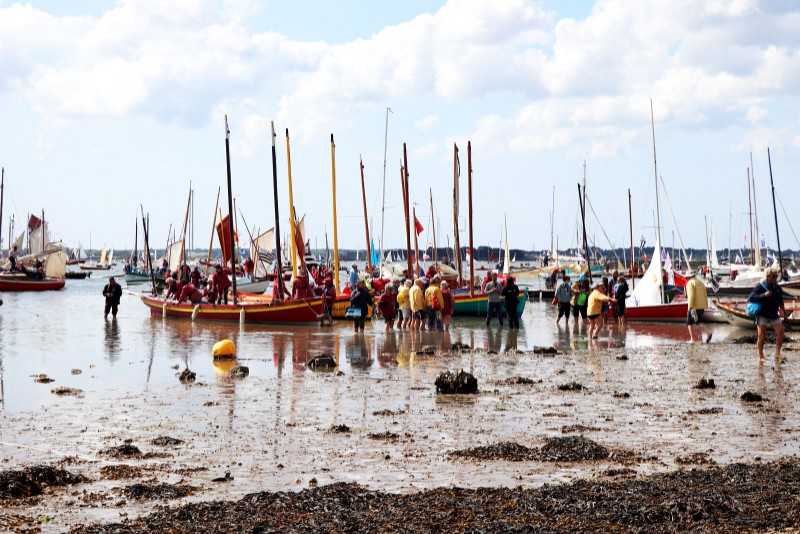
(224, 349)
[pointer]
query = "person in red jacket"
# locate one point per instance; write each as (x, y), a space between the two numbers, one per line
(221, 284)
(387, 305)
(329, 296)
(190, 293)
(447, 306)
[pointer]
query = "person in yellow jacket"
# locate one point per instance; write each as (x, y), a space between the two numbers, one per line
(404, 302)
(595, 308)
(417, 298)
(434, 301)
(697, 297)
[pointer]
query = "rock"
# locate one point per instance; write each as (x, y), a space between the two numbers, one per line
(239, 371)
(165, 441)
(706, 384)
(461, 382)
(571, 386)
(76, 371)
(42, 379)
(323, 361)
(63, 391)
(187, 376)
(460, 347)
(339, 429)
(427, 350)
(545, 350)
(749, 396)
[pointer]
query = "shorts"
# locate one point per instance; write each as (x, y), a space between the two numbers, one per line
(594, 316)
(620, 309)
(389, 320)
(420, 315)
(579, 310)
(406, 313)
(690, 320)
(766, 321)
(563, 309)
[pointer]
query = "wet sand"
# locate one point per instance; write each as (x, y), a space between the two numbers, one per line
(274, 430)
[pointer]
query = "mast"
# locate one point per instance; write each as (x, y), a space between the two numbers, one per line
(292, 218)
(230, 208)
(471, 250)
(552, 217)
(148, 258)
(581, 197)
(658, 211)
(404, 179)
(186, 222)
(335, 234)
(433, 230)
(366, 222)
(213, 226)
(2, 187)
(630, 227)
(383, 202)
(416, 243)
(750, 212)
(279, 268)
(755, 213)
(134, 260)
(456, 242)
(775, 211)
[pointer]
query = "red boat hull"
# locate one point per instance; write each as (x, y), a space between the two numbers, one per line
(672, 312)
(257, 309)
(23, 283)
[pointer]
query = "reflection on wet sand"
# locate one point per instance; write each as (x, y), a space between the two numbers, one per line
(112, 338)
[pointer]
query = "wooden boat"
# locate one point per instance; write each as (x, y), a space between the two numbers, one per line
(477, 305)
(74, 275)
(736, 315)
(22, 282)
(250, 309)
(101, 265)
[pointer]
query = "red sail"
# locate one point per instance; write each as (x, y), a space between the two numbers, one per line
(224, 235)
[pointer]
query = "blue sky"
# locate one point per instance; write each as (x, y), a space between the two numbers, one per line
(107, 106)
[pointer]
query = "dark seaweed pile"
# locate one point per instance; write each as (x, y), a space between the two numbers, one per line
(157, 491)
(461, 382)
(729, 499)
(32, 480)
(560, 449)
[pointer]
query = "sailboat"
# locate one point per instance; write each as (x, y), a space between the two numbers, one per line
(52, 256)
(246, 308)
(648, 301)
(102, 263)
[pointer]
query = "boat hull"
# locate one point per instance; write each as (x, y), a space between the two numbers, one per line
(734, 312)
(478, 305)
(673, 312)
(23, 283)
(257, 309)
(95, 267)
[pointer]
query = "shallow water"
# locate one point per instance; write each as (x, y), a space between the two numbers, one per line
(270, 429)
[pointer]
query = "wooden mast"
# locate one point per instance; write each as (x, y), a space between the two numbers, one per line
(775, 211)
(279, 268)
(416, 243)
(213, 226)
(366, 221)
(433, 230)
(335, 233)
(291, 207)
(2, 187)
(404, 178)
(471, 250)
(183, 235)
(230, 208)
(456, 242)
(630, 227)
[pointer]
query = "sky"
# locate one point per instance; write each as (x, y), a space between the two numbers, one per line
(111, 107)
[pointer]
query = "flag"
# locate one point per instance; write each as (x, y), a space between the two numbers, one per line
(34, 223)
(376, 255)
(763, 241)
(417, 226)
(642, 242)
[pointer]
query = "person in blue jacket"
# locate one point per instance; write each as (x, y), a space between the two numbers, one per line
(361, 298)
(769, 294)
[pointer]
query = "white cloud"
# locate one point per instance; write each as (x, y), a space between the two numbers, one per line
(426, 122)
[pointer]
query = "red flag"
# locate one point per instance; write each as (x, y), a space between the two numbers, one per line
(417, 226)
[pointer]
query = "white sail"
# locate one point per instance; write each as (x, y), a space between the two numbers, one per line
(173, 255)
(110, 256)
(262, 251)
(102, 259)
(38, 239)
(55, 264)
(648, 290)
